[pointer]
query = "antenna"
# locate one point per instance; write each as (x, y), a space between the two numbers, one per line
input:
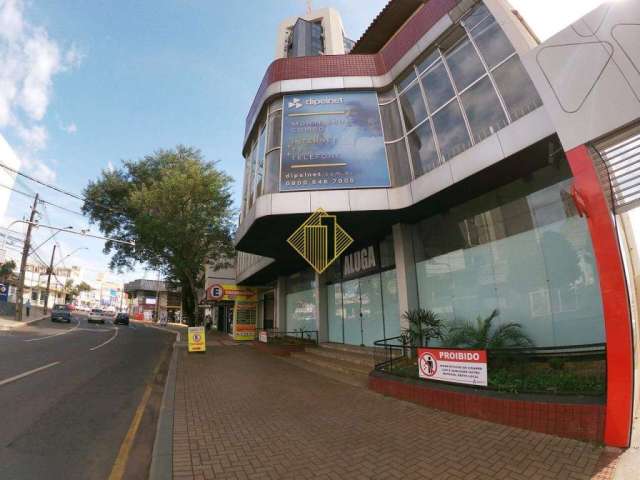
(309, 7)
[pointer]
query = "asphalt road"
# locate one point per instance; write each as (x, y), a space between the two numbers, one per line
(68, 416)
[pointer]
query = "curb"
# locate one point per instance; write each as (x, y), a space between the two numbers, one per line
(162, 456)
(23, 323)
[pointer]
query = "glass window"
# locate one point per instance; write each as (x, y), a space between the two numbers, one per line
(390, 303)
(541, 273)
(252, 159)
(483, 109)
(477, 15)
(451, 131)
(391, 124)
(398, 163)
(464, 63)
(413, 107)
(301, 311)
(423, 149)
(272, 172)
(427, 61)
(516, 88)
(275, 127)
(335, 313)
(493, 44)
(437, 86)
(259, 169)
(406, 78)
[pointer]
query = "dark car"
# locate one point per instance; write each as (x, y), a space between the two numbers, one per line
(61, 313)
(122, 319)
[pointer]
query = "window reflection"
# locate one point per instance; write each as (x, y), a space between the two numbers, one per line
(437, 86)
(464, 64)
(392, 125)
(413, 108)
(516, 88)
(453, 137)
(492, 42)
(398, 163)
(423, 149)
(483, 109)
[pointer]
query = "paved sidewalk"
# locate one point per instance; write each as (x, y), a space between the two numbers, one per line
(7, 323)
(243, 414)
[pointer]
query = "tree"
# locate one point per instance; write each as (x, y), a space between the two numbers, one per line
(176, 207)
(424, 325)
(6, 269)
(482, 335)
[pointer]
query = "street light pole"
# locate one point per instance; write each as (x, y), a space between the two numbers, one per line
(49, 272)
(23, 261)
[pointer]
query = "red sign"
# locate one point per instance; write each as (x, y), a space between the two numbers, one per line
(453, 365)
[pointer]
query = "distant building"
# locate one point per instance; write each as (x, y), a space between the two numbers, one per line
(320, 32)
(149, 298)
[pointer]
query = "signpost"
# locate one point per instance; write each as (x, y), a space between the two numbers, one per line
(332, 140)
(196, 339)
(453, 365)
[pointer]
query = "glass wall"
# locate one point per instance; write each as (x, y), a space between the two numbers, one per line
(469, 87)
(301, 302)
(521, 249)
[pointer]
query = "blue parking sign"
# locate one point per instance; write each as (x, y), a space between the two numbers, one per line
(4, 292)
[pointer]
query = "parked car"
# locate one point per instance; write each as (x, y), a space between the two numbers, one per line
(122, 319)
(61, 313)
(97, 315)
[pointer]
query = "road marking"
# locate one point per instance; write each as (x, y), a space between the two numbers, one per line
(113, 337)
(55, 335)
(22, 375)
(120, 465)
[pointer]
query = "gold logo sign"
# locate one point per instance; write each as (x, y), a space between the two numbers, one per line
(320, 240)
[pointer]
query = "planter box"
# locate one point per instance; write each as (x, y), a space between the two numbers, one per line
(278, 349)
(576, 417)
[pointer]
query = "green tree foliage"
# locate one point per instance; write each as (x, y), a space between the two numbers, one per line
(424, 325)
(6, 269)
(176, 207)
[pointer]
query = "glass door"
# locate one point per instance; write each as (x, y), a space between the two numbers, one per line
(351, 309)
(335, 312)
(371, 309)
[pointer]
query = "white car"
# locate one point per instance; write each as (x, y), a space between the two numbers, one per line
(98, 316)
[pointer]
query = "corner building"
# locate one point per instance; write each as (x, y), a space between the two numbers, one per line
(465, 159)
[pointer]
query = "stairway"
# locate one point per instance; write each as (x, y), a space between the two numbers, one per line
(346, 363)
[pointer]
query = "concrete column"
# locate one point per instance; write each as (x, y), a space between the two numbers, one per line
(321, 307)
(405, 271)
(281, 304)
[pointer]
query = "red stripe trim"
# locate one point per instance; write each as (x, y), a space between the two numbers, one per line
(614, 298)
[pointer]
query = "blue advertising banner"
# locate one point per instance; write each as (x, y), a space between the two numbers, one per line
(332, 140)
(4, 293)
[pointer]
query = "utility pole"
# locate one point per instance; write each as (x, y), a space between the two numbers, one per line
(46, 295)
(23, 262)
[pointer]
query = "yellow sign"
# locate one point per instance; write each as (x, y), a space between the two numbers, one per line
(196, 339)
(226, 291)
(245, 315)
(320, 240)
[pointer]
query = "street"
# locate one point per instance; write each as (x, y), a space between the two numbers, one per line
(69, 393)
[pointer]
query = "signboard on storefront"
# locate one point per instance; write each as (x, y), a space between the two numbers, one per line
(196, 339)
(219, 292)
(245, 315)
(453, 365)
(264, 336)
(332, 140)
(360, 262)
(4, 292)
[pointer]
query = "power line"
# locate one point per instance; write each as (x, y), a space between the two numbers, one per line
(42, 200)
(59, 190)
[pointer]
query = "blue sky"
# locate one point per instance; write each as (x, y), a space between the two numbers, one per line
(97, 82)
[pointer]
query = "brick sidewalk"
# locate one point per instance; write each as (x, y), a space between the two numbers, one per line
(242, 414)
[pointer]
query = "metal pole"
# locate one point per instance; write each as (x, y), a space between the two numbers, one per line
(23, 261)
(49, 272)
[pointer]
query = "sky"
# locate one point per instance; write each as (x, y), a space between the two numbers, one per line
(85, 85)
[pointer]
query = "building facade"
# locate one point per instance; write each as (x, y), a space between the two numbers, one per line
(151, 299)
(466, 162)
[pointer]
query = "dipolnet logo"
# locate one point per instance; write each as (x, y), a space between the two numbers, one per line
(295, 103)
(324, 101)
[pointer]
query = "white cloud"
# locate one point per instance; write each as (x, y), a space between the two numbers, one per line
(71, 128)
(29, 61)
(110, 167)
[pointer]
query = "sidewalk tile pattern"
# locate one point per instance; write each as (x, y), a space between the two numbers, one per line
(242, 414)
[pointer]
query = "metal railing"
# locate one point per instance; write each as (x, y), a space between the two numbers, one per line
(298, 336)
(392, 355)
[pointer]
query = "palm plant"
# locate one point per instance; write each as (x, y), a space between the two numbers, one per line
(424, 325)
(483, 336)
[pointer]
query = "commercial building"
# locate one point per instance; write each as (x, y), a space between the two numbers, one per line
(150, 299)
(475, 168)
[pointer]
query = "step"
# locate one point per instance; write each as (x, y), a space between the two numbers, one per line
(333, 364)
(365, 359)
(350, 379)
(344, 347)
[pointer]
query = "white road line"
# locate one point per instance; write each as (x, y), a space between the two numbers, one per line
(22, 375)
(55, 335)
(104, 343)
